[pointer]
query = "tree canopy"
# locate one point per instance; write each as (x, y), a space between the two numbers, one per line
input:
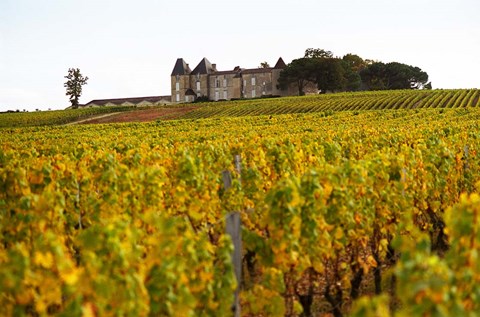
(317, 53)
(349, 73)
(264, 65)
(74, 85)
(394, 75)
(299, 72)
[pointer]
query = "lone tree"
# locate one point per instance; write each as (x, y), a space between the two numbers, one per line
(74, 85)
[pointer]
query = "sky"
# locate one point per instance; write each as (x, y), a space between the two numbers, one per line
(129, 48)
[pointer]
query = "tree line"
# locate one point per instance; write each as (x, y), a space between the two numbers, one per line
(349, 73)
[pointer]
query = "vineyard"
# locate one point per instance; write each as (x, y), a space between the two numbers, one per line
(55, 117)
(326, 104)
(359, 213)
(357, 101)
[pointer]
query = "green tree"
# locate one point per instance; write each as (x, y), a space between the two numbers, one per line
(299, 72)
(317, 53)
(74, 83)
(374, 76)
(394, 75)
(264, 65)
(355, 62)
(329, 74)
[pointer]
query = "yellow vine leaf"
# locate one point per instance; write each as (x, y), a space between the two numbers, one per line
(45, 260)
(88, 310)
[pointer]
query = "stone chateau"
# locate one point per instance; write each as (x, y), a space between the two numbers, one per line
(206, 82)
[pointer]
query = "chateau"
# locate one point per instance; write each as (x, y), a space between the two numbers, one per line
(206, 82)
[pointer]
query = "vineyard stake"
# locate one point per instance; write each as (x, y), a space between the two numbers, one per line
(233, 228)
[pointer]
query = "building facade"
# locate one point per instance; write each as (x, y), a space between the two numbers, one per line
(206, 82)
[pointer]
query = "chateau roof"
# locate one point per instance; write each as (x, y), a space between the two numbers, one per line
(181, 68)
(225, 72)
(237, 71)
(257, 70)
(134, 100)
(190, 92)
(280, 64)
(204, 67)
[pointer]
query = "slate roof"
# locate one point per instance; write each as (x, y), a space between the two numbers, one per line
(134, 100)
(236, 72)
(225, 72)
(257, 70)
(181, 68)
(280, 64)
(204, 67)
(190, 92)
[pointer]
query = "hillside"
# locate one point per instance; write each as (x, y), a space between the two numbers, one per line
(372, 100)
(358, 101)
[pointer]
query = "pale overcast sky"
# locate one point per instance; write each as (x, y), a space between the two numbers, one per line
(129, 48)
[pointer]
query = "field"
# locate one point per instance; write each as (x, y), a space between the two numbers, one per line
(358, 101)
(358, 212)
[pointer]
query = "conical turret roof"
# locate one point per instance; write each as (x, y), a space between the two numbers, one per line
(181, 68)
(204, 67)
(280, 64)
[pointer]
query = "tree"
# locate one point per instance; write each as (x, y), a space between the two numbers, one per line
(352, 77)
(264, 65)
(317, 53)
(74, 85)
(374, 76)
(355, 62)
(319, 67)
(394, 75)
(330, 74)
(299, 72)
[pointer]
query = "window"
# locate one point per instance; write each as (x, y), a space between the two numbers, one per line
(186, 98)
(217, 95)
(217, 83)
(198, 85)
(244, 83)
(253, 81)
(225, 94)
(177, 97)
(177, 86)
(253, 93)
(225, 81)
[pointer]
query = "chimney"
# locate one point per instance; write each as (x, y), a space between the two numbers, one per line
(214, 66)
